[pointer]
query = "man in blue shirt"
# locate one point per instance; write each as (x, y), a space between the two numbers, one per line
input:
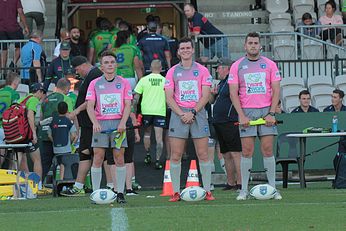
(337, 97)
(304, 99)
(199, 24)
(32, 55)
(154, 46)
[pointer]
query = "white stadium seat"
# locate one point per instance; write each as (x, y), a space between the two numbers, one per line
(340, 82)
(322, 102)
(284, 50)
(280, 19)
(311, 49)
(317, 81)
(23, 90)
(300, 7)
(292, 81)
(276, 5)
(319, 92)
(290, 103)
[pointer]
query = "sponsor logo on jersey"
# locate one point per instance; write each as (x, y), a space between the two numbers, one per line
(118, 85)
(263, 65)
(195, 73)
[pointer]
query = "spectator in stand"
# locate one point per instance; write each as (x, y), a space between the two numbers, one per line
(31, 103)
(64, 36)
(10, 28)
(223, 118)
(34, 10)
(100, 41)
(343, 10)
(198, 24)
(154, 46)
(60, 66)
(32, 55)
(8, 95)
(305, 100)
(306, 21)
(77, 45)
(337, 97)
(88, 73)
(330, 18)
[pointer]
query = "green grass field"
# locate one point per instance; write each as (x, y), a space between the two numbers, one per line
(316, 208)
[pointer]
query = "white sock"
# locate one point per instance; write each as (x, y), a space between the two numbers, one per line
(212, 166)
(222, 163)
(121, 177)
(206, 174)
(175, 176)
(96, 176)
(39, 185)
(245, 168)
(78, 185)
(110, 185)
(133, 179)
(270, 165)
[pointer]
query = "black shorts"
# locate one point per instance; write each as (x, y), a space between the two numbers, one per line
(30, 149)
(228, 136)
(128, 154)
(86, 134)
(15, 35)
(157, 121)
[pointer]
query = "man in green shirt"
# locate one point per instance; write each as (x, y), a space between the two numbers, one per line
(153, 107)
(48, 109)
(8, 95)
(100, 41)
(127, 59)
(33, 101)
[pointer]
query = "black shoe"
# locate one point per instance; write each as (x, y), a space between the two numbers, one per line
(121, 198)
(131, 192)
(147, 159)
(238, 186)
(158, 166)
(229, 187)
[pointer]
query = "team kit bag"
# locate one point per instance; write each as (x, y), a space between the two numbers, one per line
(15, 123)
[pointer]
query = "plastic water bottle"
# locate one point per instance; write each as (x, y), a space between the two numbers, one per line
(335, 124)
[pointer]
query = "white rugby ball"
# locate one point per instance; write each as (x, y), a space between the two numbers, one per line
(103, 196)
(193, 193)
(263, 192)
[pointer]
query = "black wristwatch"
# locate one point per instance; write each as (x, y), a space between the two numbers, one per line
(193, 112)
(271, 113)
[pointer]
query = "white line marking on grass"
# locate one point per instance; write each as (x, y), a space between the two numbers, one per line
(119, 219)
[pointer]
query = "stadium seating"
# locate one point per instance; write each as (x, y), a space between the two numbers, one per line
(280, 19)
(284, 49)
(290, 102)
(291, 156)
(318, 81)
(322, 102)
(280, 6)
(340, 82)
(332, 51)
(320, 91)
(312, 49)
(23, 90)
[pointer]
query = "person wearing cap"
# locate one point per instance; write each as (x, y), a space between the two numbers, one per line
(223, 118)
(33, 100)
(88, 73)
(200, 25)
(155, 46)
(32, 55)
(64, 36)
(60, 66)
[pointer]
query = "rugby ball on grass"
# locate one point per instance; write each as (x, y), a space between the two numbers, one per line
(103, 196)
(263, 192)
(193, 193)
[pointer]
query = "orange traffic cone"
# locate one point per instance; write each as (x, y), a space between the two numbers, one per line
(192, 177)
(167, 189)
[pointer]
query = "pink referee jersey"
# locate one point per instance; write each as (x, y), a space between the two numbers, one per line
(187, 83)
(109, 96)
(254, 79)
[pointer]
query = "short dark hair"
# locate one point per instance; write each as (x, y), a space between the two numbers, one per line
(74, 27)
(190, 5)
(252, 35)
(306, 16)
(331, 3)
(339, 92)
(185, 40)
(107, 53)
(62, 108)
(304, 92)
(122, 37)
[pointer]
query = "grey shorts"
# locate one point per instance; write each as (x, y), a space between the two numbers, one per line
(101, 140)
(198, 129)
(261, 130)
